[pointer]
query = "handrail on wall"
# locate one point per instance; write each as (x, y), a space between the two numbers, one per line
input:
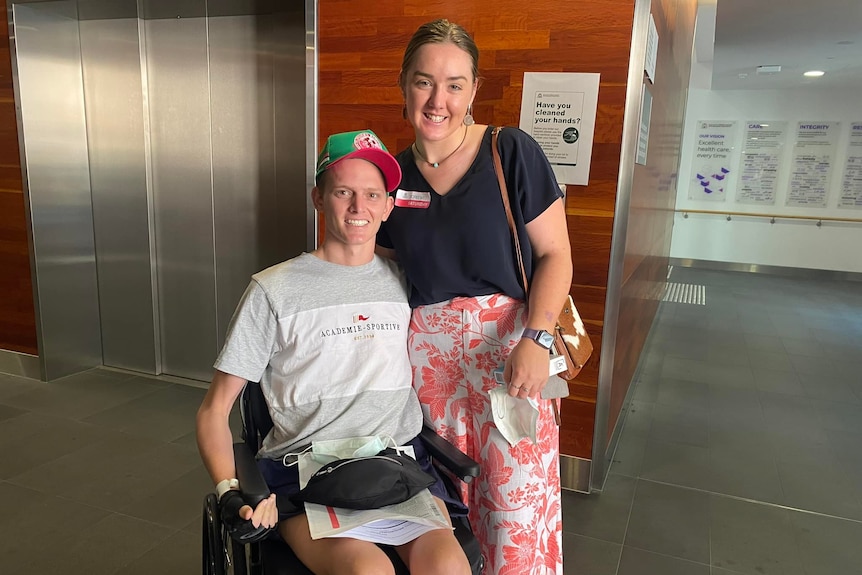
(772, 217)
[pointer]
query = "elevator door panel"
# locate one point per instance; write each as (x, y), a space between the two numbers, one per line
(178, 90)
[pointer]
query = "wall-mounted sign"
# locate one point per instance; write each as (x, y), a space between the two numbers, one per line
(851, 185)
(558, 110)
(714, 142)
(643, 131)
(760, 162)
(813, 159)
(651, 50)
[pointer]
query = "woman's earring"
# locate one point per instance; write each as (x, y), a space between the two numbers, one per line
(404, 111)
(468, 119)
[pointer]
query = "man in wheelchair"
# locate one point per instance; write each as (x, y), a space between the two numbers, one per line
(326, 335)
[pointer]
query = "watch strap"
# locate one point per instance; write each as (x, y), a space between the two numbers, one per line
(226, 485)
(535, 335)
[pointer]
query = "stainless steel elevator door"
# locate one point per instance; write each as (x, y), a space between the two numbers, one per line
(196, 118)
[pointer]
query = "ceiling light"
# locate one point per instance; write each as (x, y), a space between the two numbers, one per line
(814, 73)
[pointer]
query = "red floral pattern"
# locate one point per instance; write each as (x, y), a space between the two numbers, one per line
(515, 504)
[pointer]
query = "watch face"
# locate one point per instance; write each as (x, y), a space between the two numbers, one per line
(545, 339)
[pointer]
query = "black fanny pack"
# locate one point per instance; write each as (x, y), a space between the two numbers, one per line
(366, 482)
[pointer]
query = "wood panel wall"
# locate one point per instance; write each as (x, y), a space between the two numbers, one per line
(17, 311)
(361, 44)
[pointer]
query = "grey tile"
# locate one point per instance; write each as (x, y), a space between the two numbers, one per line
(582, 555)
(669, 520)
(639, 417)
(737, 436)
(734, 403)
(646, 388)
(176, 504)
(759, 324)
(166, 414)
(678, 392)
(791, 326)
(763, 343)
(640, 562)
(820, 488)
(7, 412)
(842, 350)
(752, 538)
(629, 455)
(104, 473)
(829, 389)
(727, 351)
(844, 446)
(178, 553)
(801, 445)
(777, 381)
(601, 515)
(104, 548)
(816, 366)
(838, 416)
(27, 512)
(686, 348)
(705, 372)
(828, 546)
(802, 347)
(789, 412)
(777, 360)
(34, 439)
(11, 385)
(83, 394)
(744, 475)
(677, 463)
(679, 424)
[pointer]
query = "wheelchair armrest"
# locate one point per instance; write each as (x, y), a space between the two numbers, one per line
(254, 488)
(448, 455)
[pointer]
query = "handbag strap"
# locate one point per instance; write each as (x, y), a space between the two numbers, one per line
(498, 168)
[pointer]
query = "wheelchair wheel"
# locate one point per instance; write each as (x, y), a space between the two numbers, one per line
(214, 554)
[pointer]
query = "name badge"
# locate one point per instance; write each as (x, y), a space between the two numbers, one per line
(408, 199)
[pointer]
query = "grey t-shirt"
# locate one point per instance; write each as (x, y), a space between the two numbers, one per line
(329, 345)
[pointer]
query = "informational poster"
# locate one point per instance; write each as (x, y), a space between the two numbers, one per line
(559, 110)
(714, 144)
(643, 132)
(760, 162)
(813, 159)
(851, 185)
(651, 50)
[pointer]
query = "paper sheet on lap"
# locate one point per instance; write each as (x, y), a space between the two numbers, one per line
(391, 525)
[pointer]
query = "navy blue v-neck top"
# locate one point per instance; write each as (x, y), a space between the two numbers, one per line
(461, 245)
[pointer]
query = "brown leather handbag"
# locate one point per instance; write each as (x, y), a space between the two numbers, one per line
(570, 338)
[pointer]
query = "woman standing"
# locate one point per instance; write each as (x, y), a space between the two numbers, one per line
(449, 230)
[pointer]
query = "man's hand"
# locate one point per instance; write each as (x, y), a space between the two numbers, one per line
(243, 523)
(526, 371)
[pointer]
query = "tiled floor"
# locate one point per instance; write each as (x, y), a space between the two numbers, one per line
(740, 454)
(742, 448)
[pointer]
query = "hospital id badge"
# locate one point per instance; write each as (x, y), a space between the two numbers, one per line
(408, 199)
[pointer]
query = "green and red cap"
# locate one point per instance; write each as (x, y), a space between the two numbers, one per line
(363, 145)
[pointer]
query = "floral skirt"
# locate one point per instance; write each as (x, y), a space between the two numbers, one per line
(515, 508)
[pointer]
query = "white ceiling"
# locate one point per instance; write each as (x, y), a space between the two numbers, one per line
(797, 35)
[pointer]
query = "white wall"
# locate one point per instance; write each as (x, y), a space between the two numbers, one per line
(754, 240)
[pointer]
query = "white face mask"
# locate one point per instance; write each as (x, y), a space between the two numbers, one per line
(515, 418)
(332, 449)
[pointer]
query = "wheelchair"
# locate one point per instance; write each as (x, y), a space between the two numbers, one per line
(222, 555)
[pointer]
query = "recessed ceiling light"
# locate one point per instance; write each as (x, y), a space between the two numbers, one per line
(814, 73)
